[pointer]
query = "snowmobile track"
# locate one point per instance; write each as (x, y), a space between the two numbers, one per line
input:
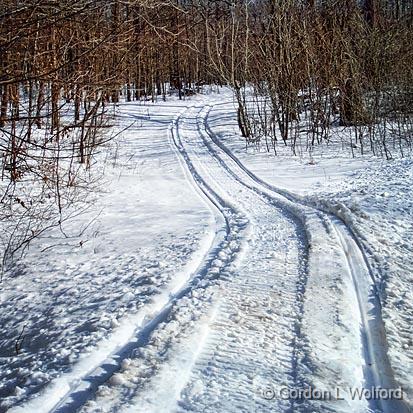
(262, 295)
(80, 386)
(377, 370)
(250, 355)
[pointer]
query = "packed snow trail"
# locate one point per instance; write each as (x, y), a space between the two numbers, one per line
(276, 301)
(255, 344)
(377, 369)
(253, 338)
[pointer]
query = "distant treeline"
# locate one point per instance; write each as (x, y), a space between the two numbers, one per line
(82, 51)
(297, 68)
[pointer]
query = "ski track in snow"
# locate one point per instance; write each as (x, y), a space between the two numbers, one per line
(239, 313)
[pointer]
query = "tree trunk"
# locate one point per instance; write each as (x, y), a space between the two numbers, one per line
(4, 103)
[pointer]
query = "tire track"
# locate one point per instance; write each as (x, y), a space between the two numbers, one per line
(258, 294)
(253, 301)
(378, 372)
(72, 390)
(256, 338)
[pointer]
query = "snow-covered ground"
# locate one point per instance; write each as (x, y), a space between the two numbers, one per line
(372, 196)
(212, 278)
(92, 292)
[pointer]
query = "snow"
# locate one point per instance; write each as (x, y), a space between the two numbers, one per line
(372, 196)
(210, 276)
(71, 299)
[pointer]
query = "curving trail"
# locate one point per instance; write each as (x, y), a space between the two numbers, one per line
(276, 300)
(377, 371)
(255, 338)
(72, 390)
